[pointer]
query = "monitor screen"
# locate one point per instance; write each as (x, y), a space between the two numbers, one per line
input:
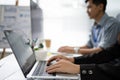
(36, 20)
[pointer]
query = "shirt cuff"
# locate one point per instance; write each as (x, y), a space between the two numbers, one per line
(87, 71)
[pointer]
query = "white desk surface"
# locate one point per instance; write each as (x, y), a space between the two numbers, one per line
(9, 69)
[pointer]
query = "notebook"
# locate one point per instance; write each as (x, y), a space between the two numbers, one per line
(31, 68)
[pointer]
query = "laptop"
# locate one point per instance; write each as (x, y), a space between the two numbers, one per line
(31, 68)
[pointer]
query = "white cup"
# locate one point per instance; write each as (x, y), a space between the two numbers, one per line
(41, 55)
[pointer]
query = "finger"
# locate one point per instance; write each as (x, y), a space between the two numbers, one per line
(57, 57)
(61, 49)
(54, 70)
(54, 66)
(51, 59)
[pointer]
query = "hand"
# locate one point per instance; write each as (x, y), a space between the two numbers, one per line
(59, 57)
(64, 66)
(66, 49)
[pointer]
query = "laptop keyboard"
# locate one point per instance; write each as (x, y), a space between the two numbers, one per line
(40, 69)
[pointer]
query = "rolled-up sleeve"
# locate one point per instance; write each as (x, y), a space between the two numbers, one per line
(89, 42)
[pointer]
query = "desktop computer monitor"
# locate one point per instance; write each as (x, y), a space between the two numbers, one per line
(36, 20)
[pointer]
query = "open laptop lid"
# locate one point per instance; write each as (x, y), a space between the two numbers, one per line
(22, 51)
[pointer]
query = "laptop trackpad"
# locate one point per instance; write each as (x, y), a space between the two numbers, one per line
(64, 75)
(46, 74)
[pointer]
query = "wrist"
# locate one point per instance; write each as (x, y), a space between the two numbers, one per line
(71, 59)
(77, 71)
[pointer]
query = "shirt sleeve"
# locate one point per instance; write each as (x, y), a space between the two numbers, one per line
(87, 71)
(110, 36)
(105, 71)
(101, 57)
(89, 43)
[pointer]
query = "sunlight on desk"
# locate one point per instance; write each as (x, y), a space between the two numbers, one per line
(9, 69)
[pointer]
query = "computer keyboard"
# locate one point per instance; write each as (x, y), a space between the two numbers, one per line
(40, 69)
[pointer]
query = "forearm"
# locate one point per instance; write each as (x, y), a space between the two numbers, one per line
(89, 50)
(101, 57)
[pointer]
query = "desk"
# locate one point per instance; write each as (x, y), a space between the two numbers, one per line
(9, 69)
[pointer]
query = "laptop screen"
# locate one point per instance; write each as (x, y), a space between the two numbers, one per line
(22, 51)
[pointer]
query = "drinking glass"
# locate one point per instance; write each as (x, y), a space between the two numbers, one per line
(48, 44)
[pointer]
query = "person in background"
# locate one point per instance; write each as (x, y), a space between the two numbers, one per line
(104, 65)
(104, 31)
